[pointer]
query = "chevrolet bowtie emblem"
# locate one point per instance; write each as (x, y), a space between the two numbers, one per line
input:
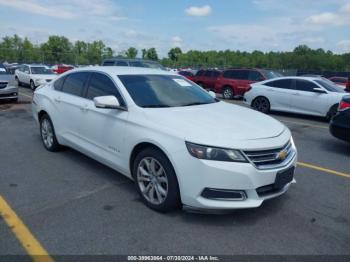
(282, 155)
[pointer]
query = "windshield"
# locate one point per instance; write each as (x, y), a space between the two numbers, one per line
(3, 71)
(164, 91)
(41, 71)
(153, 65)
(330, 86)
(269, 74)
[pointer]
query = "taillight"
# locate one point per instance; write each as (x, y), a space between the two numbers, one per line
(344, 105)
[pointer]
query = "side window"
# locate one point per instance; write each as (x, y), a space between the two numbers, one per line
(227, 74)
(283, 83)
(122, 63)
(304, 85)
(255, 76)
(58, 83)
(216, 74)
(102, 85)
(243, 74)
(108, 63)
(74, 83)
(208, 73)
(200, 73)
(136, 64)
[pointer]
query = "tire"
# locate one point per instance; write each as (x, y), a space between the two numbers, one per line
(157, 185)
(32, 85)
(332, 112)
(48, 135)
(228, 93)
(261, 104)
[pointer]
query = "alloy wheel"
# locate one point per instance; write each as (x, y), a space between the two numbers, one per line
(47, 133)
(261, 104)
(152, 180)
(228, 94)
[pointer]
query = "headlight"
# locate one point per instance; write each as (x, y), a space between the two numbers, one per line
(215, 153)
(40, 81)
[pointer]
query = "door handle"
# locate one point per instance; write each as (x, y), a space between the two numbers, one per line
(57, 99)
(84, 108)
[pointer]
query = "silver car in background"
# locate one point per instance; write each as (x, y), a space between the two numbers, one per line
(8, 87)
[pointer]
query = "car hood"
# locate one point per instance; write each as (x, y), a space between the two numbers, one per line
(44, 76)
(6, 78)
(215, 124)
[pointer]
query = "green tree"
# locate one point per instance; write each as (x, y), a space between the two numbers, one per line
(131, 52)
(174, 54)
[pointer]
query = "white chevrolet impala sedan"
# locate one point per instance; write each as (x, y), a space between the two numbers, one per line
(181, 146)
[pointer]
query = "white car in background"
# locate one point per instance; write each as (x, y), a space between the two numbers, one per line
(304, 95)
(34, 75)
(169, 135)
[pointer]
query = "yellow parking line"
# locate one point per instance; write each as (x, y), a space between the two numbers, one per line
(28, 241)
(326, 170)
(303, 123)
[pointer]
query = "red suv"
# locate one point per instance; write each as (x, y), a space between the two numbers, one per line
(235, 82)
(206, 78)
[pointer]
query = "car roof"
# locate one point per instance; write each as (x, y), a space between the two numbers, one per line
(124, 70)
(32, 65)
(294, 77)
(130, 60)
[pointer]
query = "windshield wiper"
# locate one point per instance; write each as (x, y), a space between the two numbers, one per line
(195, 104)
(155, 106)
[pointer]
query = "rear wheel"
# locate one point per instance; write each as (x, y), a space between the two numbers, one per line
(261, 104)
(227, 93)
(156, 180)
(48, 135)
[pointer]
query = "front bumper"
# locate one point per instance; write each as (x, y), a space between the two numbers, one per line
(9, 92)
(197, 175)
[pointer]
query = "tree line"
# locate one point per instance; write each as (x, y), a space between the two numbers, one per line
(58, 49)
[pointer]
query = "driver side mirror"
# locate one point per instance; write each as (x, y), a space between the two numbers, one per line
(107, 102)
(212, 94)
(319, 90)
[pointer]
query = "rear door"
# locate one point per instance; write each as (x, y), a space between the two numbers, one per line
(69, 103)
(305, 100)
(280, 93)
(241, 78)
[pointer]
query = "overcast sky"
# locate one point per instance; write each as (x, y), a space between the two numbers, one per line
(246, 25)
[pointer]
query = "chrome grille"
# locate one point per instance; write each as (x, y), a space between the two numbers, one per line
(272, 158)
(3, 85)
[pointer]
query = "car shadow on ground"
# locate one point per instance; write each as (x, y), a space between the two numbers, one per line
(300, 116)
(337, 146)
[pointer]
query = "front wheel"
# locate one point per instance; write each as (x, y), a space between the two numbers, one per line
(156, 180)
(48, 135)
(32, 85)
(227, 93)
(261, 104)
